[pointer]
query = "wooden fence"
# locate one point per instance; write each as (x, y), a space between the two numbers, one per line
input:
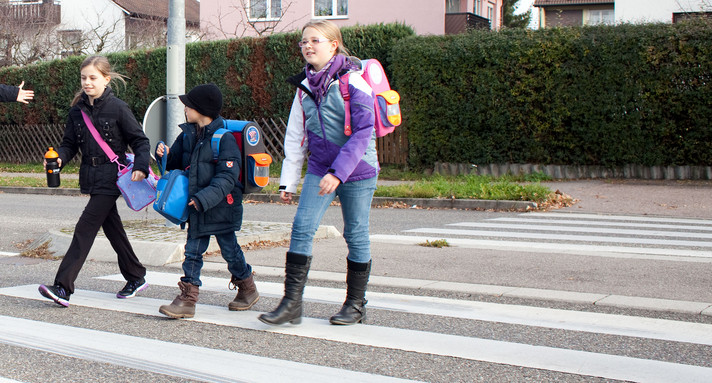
(28, 143)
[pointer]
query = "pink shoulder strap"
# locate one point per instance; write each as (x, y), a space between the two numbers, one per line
(344, 88)
(104, 146)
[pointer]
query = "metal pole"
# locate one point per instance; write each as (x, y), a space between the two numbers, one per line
(175, 69)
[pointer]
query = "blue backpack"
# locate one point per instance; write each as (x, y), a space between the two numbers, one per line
(254, 174)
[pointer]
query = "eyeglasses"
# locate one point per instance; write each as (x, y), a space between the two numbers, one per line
(312, 41)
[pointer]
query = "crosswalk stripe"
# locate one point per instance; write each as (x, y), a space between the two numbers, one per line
(582, 229)
(564, 248)
(588, 223)
(649, 328)
(561, 237)
(162, 357)
(529, 356)
(631, 218)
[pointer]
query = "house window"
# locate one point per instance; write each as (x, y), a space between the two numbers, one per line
(478, 7)
(600, 16)
(452, 6)
(5, 50)
(331, 8)
(265, 9)
(490, 12)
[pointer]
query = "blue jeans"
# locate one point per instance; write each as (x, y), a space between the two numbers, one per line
(231, 252)
(355, 198)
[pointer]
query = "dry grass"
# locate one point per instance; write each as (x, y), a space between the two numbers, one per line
(41, 252)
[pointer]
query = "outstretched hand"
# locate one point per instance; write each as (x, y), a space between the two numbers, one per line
(25, 96)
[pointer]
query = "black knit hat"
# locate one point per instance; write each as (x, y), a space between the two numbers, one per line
(206, 99)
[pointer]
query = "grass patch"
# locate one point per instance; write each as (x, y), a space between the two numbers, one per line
(72, 168)
(36, 182)
(508, 187)
(439, 243)
(468, 187)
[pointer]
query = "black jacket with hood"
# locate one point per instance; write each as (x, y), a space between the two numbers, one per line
(114, 121)
(214, 185)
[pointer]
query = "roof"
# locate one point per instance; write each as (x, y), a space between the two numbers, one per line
(546, 3)
(159, 8)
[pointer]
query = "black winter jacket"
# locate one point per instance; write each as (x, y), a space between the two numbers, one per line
(8, 93)
(215, 185)
(114, 121)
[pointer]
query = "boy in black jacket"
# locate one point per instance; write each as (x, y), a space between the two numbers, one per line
(215, 200)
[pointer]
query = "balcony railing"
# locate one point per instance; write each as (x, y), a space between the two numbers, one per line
(45, 13)
(462, 22)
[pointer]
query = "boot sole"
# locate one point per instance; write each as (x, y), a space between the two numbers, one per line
(339, 323)
(241, 308)
(292, 321)
(174, 315)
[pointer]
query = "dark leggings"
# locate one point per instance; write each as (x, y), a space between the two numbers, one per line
(100, 212)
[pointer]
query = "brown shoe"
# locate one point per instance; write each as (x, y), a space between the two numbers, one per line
(247, 294)
(184, 304)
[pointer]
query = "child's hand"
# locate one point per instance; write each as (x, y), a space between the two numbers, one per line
(59, 163)
(286, 197)
(161, 149)
(328, 184)
(137, 175)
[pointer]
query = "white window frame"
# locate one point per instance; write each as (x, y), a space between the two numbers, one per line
(268, 11)
(600, 17)
(452, 6)
(477, 7)
(334, 9)
(490, 12)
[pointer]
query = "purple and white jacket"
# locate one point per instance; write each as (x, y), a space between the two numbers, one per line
(319, 130)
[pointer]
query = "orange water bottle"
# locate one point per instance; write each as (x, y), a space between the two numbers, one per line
(52, 168)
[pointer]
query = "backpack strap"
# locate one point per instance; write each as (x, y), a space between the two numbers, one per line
(344, 88)
(215, 142)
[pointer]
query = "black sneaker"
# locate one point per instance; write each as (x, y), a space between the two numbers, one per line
(55, 293)
(131, 288)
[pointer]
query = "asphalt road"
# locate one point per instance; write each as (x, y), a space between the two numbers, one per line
(505, 337)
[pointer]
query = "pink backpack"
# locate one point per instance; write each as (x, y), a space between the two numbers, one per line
(386, 100)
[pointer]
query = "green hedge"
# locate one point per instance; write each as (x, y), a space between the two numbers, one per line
(251, 72)
(605, 95)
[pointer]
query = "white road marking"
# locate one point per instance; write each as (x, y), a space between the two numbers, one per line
(529, 356)
(558, 248)
(161, 357)
(649, 328)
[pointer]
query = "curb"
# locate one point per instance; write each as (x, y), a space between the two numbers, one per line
(158, 243)
(434, 203)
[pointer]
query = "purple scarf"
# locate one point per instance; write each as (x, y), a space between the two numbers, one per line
(319, 81)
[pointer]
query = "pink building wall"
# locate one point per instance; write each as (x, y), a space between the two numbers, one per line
(221, 19)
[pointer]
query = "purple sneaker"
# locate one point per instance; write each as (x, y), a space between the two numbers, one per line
(55, 293)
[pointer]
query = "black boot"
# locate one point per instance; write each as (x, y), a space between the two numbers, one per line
(290, 308)
(354, 309)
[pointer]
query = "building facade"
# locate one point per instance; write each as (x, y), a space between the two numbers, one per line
(221, 19)
(556, 13)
